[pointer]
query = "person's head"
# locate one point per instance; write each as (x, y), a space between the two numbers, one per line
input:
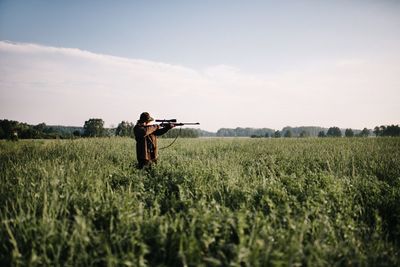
(145, 118)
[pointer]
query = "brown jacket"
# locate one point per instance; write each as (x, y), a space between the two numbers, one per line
(146, 141)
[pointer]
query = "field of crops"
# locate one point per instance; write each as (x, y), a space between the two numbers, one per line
(209, 202)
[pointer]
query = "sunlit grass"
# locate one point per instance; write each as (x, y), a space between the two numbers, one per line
(210, 202)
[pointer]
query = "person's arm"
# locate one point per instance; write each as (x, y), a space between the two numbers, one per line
(143, 131)
(163, 130)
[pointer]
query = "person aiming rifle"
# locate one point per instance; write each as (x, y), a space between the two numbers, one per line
(146, 137)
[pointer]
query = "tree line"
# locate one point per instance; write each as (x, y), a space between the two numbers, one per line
(13, 130)
(94, 127)
(288, 132)
(390, 130)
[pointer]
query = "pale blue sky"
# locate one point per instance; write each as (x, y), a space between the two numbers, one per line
(254, 35)
(264, 38)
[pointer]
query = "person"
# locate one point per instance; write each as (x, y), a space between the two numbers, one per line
(146, 139)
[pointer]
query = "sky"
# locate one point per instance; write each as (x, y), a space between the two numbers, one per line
(221, 63)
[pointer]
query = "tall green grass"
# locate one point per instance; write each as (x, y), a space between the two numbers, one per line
(209, 202)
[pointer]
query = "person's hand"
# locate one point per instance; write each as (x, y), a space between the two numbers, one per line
(170, 126)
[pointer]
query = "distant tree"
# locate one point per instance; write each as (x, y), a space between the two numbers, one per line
(76, 133)
(8, 129)
(277, 134)
(14, 136)
(321, 134)
(349, 133)
(26, 131)
(40, 127)
(125, 129)
(391, 130)
(38, 131)
(288, 134)
(244, 131)
(304, 134)
(266, 135)
(377, 131)
(364, 133)
(395, 130)
(94, 128)
(184, 133)
(29, 133)
(225, 132)
(334, 132)
(383, 130)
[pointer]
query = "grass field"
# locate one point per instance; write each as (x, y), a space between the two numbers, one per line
(209, 202)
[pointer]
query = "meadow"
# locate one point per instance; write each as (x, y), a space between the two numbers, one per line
(209, 202)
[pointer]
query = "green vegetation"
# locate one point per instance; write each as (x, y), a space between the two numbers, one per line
(390, 130)
(94, 128)
(303, 131)
(244, 132)
(182, 133)
(14, 130)
(334, 132)
(209, 202)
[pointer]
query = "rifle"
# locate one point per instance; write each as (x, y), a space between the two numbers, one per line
(175, 123)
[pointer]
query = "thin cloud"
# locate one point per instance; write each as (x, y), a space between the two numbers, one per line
(68, 86)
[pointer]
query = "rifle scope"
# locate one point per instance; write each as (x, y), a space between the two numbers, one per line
(167, 121)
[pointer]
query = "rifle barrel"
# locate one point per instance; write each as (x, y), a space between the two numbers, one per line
(187, 123)
(165, 122)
